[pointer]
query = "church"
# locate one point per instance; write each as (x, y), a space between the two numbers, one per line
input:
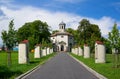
(62, 40)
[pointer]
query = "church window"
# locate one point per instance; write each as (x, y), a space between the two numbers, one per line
(62, 36)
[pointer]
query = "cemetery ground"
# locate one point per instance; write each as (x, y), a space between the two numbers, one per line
(105, 69)
(17, 69)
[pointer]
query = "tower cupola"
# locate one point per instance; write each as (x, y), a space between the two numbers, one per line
(62, 26)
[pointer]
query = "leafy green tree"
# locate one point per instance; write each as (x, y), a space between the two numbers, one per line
(34, 32)
(88, 33)
(74, 33)
(9, 39)
(114, 37)
(54, 31)
(83, 28)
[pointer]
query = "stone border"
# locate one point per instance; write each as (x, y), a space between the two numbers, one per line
(32, 70)
(89, 69)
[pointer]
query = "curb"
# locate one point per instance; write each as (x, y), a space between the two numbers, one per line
(32, 70)
(89, 69)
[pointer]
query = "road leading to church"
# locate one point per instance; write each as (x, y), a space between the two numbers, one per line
(62, 66)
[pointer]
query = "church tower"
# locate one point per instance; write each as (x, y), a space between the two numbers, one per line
(62, 27)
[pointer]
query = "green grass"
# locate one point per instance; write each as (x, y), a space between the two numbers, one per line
(17, 69)
(105, 69)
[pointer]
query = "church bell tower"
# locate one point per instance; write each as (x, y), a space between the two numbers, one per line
(62, 27)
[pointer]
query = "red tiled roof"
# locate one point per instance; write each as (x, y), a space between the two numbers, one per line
(99, 42)
(25, 41)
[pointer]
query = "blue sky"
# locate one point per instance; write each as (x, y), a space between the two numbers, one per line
(89, 8)
(101, 12)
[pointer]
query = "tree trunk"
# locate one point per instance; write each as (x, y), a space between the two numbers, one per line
(9, 57)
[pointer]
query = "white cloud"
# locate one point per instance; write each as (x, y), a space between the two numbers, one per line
(27, 14)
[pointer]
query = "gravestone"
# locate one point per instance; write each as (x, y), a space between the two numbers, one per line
(100, 52)
(86, 51)
(80, 51)
(37, 51)
(23, 52)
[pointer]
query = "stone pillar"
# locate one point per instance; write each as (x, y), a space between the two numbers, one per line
(23, 52)
(37, 51)
(73, 50)
(80, 51)
(44, 52)
(48, 51)
(100, 52)
(77, 51)
(86, 51)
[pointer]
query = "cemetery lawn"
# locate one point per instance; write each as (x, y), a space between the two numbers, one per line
(105, 69)
(17, 69)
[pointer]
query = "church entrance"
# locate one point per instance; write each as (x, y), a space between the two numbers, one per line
(62, 48)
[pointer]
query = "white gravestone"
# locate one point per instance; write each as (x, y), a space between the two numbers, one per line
(37, 51)
(86, 51)
(80, 51)
(100, 52)
(23, 52)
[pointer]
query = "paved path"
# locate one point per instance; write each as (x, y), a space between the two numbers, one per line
(62, 66)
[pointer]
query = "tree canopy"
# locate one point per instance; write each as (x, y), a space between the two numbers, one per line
(35, 32)
(9, 37)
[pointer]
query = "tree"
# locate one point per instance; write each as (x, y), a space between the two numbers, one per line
(88, 32)
(84, 24)
(114, 39)
(54, 31)
(74, 33)
(34, 32)
(9, 39)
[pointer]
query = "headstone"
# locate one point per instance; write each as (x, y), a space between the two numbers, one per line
(23, 52)
(80, 51)
(86, 51)
(37, 51)
(100, 52)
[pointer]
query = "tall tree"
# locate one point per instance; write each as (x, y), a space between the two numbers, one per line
(9, 39)
(114, 37)
(34, 31)
(88, 33)
(84, 24)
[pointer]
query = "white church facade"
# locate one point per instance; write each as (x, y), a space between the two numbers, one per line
(62, 40)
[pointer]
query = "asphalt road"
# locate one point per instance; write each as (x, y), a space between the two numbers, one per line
(62, 66)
